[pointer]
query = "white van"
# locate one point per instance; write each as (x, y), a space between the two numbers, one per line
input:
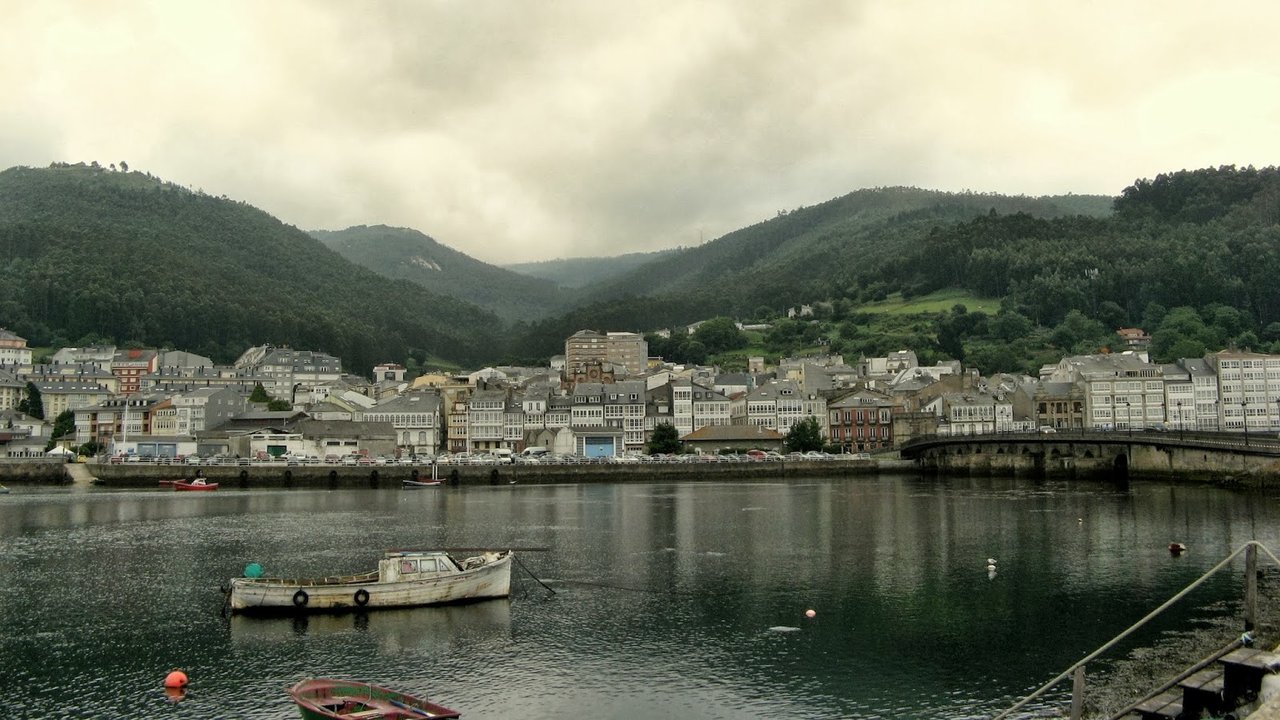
(536, 451)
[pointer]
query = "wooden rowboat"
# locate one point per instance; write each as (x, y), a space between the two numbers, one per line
(404, 578)
(420, 483)
(198, 484)
(326, 699)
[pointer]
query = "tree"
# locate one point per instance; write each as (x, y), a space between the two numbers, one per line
(279, 405)
(1077, 329)
(1010, 325)
(804, 436)
(259, 394)
(665, 440)
(64, 424)
(32, 404)
(1181, 333)
(720, 334)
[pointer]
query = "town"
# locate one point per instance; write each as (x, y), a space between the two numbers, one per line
(603, 398)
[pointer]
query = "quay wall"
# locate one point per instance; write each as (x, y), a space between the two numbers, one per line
(274, 475)
(36, 471)
(1083, 460)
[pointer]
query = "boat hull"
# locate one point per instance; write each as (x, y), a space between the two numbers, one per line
(190, 487)
(326, 699)
(367, 592)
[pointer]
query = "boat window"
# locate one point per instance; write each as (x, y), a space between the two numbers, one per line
(429, 565)
(408, 566)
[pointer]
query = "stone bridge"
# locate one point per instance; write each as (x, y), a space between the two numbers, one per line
(1115, 455)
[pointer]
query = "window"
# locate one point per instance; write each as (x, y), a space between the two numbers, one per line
(408, 566)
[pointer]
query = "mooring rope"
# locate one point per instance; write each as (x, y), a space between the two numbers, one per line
(535, 577)
(1128, 631)
(612, 586)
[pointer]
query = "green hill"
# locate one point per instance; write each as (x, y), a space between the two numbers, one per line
(405, 254)
(1003, 283)
(584, 271)
(122, 256)
(1190, 256)
(836, 249)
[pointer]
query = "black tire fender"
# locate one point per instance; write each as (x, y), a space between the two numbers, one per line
(362, 597)
(301, 598)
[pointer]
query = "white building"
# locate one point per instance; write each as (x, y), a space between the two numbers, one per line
(1248, 390)
(417, 417)
(13, 350)
(1122, 391)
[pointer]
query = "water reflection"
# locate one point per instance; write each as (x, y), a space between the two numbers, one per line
(698, 589)
(393, 631)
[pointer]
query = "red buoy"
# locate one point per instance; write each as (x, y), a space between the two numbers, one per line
(175, 695)
(175, 679)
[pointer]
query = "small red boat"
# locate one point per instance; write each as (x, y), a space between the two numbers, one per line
(197, 484)
(325, 699)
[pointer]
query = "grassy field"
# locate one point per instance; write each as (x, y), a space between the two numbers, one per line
(941, 301)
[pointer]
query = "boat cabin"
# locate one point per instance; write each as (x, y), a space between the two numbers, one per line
(403, 565)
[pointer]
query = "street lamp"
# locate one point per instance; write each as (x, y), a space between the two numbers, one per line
(1182, 426)
(1128, 412)
(1244, 411)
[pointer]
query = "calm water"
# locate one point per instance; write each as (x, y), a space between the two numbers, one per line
(667, 604)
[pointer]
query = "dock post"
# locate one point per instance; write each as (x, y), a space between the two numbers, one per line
(1250, 587)
(1077, 694)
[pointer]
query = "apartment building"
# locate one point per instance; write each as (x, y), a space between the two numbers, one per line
(1248, 390)
(417, 418)
(1122, 391)
(626, 352)
(861, 420)
(14, 352)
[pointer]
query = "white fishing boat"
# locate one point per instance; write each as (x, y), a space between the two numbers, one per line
(404, 578)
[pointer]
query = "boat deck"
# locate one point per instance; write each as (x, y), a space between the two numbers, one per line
(361, 578)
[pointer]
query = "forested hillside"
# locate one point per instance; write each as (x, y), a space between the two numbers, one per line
(836, 249)
(583, 271)
(819, 251)
(89, 253)
(95, 254)
(1192, 257)
(407, 254)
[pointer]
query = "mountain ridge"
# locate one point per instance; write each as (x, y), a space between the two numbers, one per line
(411, 255)
(128, 257)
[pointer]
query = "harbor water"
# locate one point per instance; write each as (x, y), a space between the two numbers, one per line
(663, 600)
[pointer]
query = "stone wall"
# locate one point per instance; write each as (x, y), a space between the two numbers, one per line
(43, 471)
(385, 476)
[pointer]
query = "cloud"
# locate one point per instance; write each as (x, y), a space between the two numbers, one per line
(517, 131)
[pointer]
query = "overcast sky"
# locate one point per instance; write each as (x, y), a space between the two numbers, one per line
(523, 130)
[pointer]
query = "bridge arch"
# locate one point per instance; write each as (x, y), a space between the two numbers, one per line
(1121, 466)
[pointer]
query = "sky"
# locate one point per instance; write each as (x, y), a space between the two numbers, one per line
(522, 131)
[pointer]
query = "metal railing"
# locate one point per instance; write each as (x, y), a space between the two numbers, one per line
(1076, 671)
